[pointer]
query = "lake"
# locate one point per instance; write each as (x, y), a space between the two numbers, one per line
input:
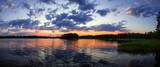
(70, 53)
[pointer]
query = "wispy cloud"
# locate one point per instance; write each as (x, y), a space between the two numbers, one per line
(143, 11)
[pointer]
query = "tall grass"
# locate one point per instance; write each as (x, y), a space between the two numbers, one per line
(146, 46)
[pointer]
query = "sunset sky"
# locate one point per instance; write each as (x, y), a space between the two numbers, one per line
(85, 17)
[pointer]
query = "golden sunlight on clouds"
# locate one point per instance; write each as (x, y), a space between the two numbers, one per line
(129, 11)
(55, 33)
(93, 32)
(79, 32)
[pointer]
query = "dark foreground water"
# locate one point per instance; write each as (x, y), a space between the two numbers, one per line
(69, 53)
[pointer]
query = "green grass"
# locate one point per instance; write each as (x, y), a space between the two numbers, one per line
(141, 47)
(123, 39)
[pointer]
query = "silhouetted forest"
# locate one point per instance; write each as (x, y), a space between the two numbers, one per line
(126, 35)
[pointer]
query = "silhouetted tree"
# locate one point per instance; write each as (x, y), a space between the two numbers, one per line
(70, 36)
(157, 34)
(158, 20)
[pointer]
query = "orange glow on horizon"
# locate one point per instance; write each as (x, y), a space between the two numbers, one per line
(93, 32)
(55, 33)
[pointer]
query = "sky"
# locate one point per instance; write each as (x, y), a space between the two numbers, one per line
(84, 17)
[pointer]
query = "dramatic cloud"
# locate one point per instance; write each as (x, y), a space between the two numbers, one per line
(143, 11)
(74, 12)
(51, 14)
(60, 17)
(48, 1)
(23, 23)
(106, 11)
(27, 6)
(111, 27)
(84, 4)
(119, 26)
(81, 18)
(87, 7)
(36, 12)
(114, 10)
(103, 27)
(31, 13)
(65, 20)
(80, 2)
(65, 23)
(49, 17)
(62, 21)
(103, 12)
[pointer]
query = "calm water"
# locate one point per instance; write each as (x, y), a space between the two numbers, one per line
(69, 53)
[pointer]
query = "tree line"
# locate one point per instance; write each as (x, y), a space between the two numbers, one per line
(125, 35)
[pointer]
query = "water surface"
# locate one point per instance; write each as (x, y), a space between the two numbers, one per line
(69, 53)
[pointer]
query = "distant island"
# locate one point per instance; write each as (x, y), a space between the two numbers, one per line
(70, 36)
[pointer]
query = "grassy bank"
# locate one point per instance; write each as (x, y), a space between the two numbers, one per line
(122, 39)
(142, 47)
